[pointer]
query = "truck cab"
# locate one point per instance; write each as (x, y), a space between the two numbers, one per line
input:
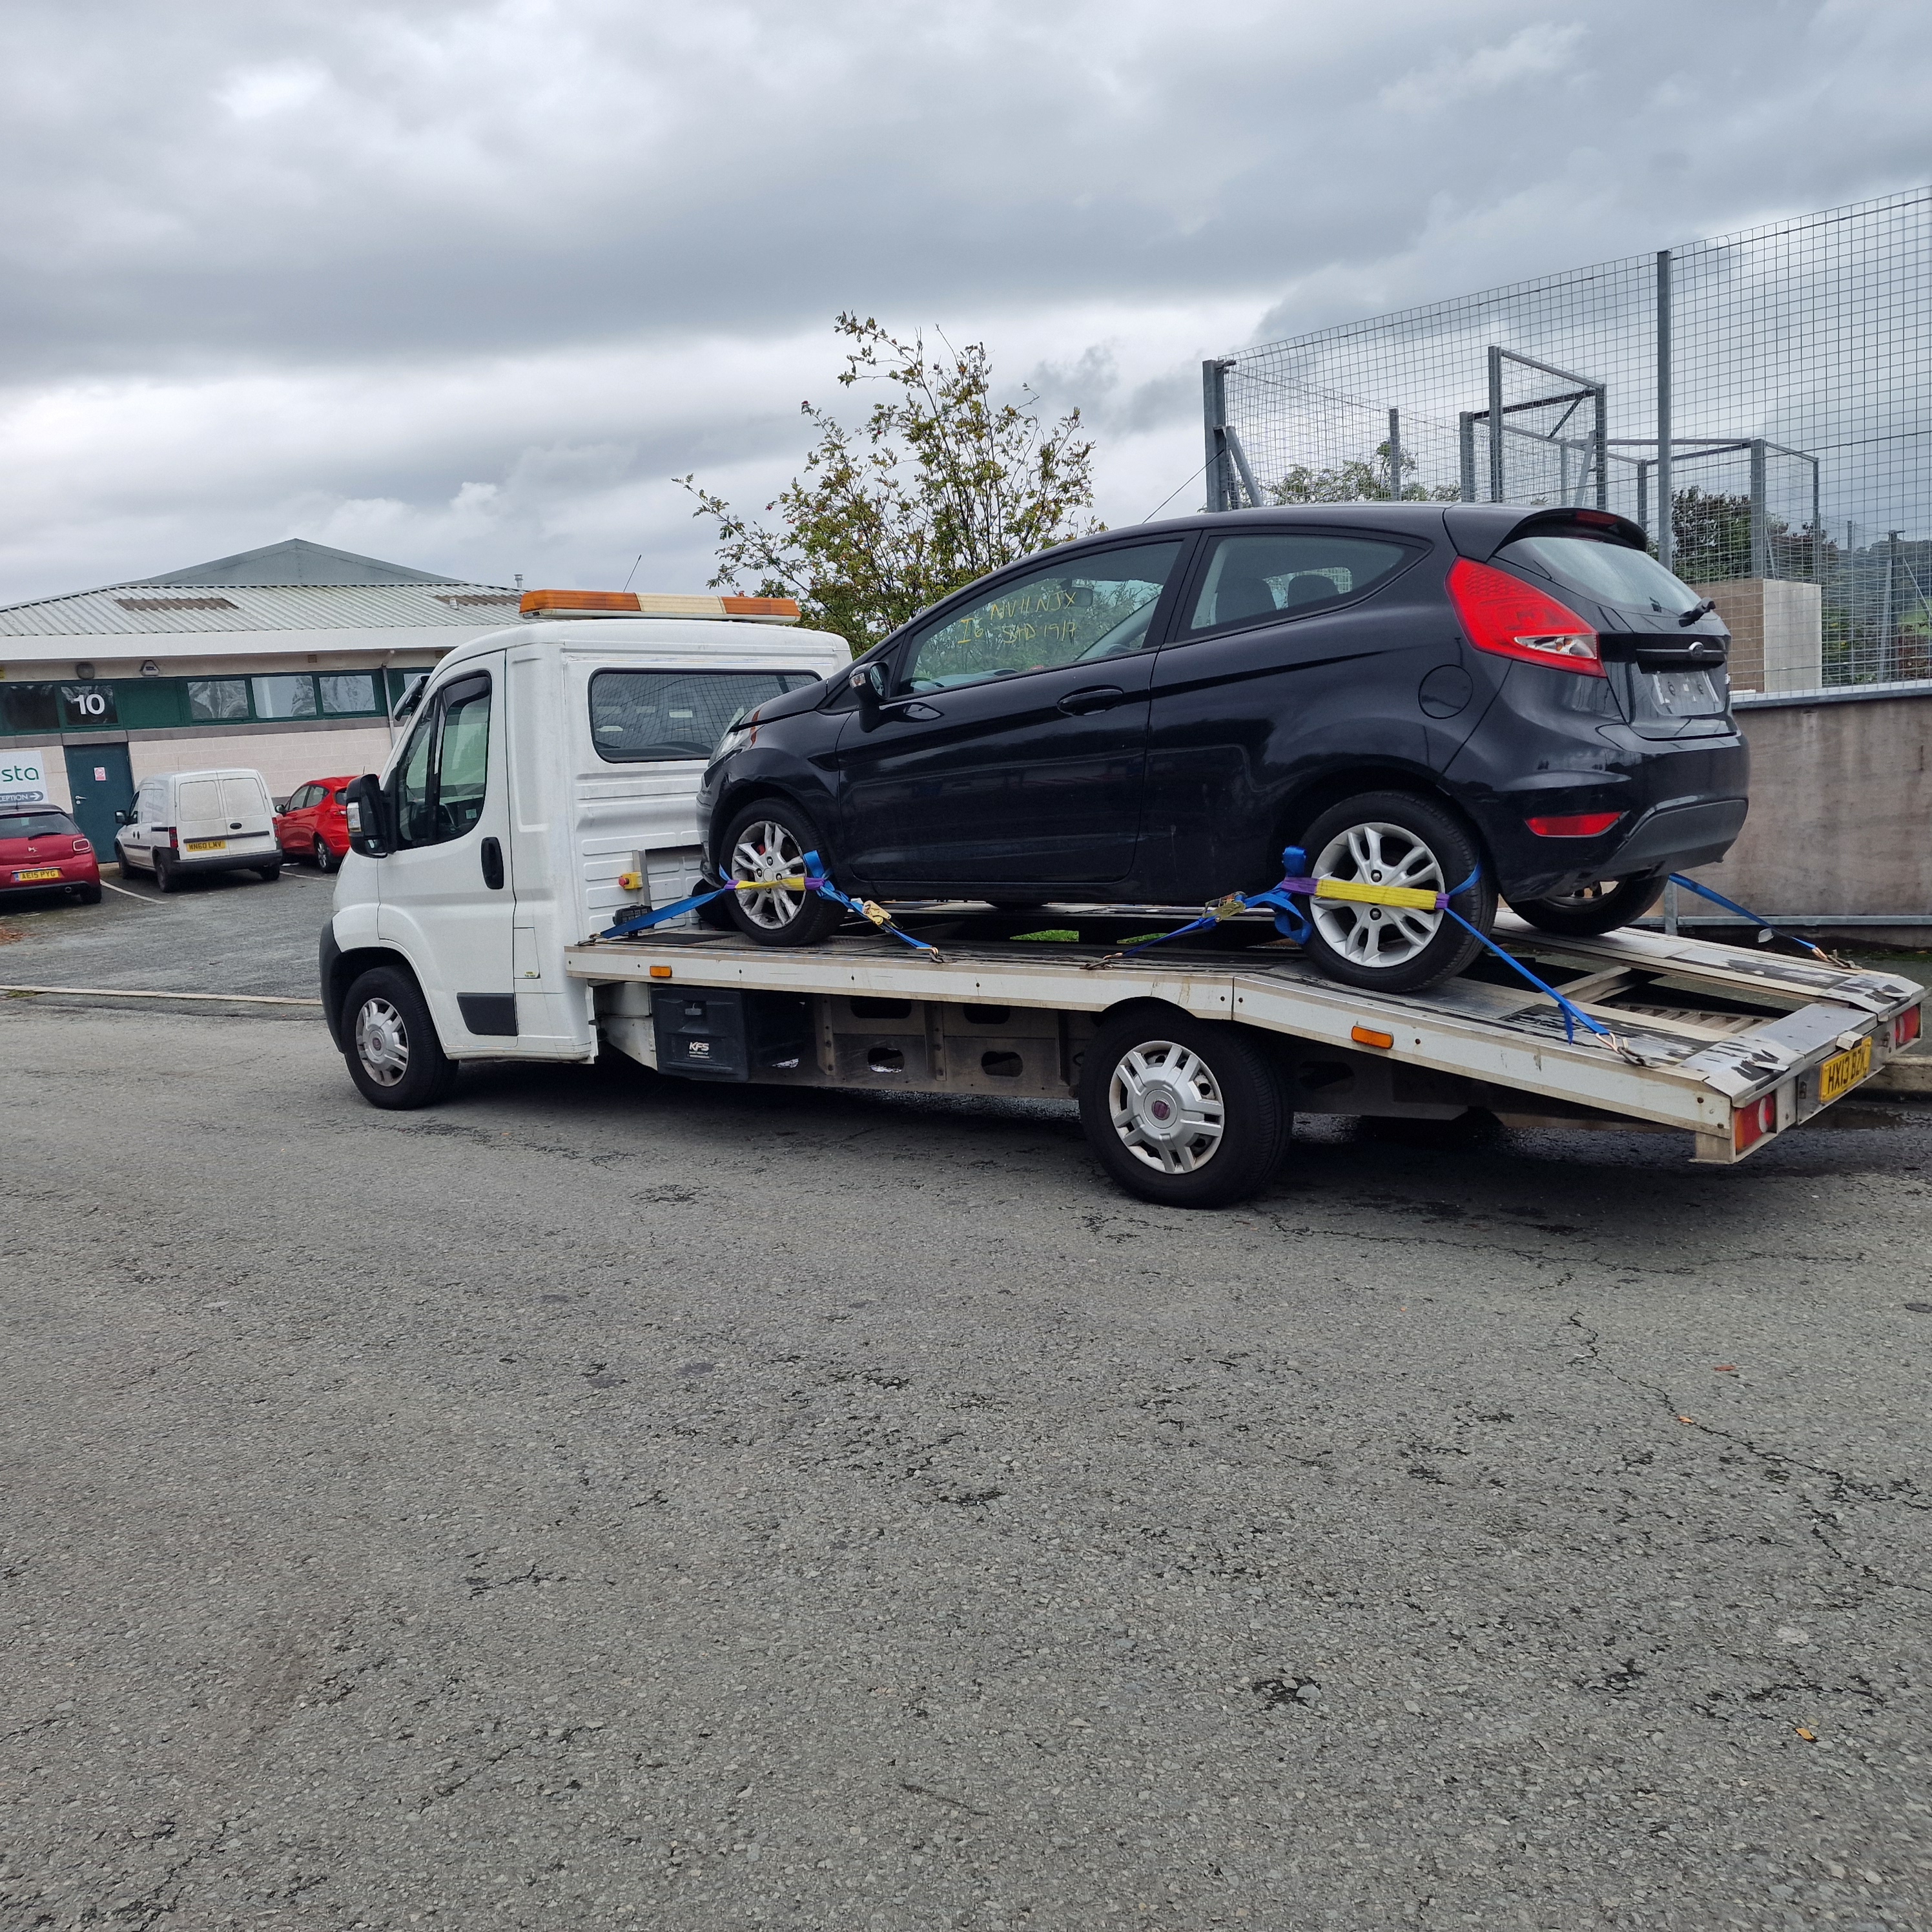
(543, 783)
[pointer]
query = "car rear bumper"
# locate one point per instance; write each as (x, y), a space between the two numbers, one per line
(68, 880)
(183, 866)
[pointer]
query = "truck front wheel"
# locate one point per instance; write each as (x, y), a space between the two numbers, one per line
(1182, 1111)
(389, 1042)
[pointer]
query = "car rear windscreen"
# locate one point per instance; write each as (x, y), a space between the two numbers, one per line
(37, 825)
(1612, 572)
(639, 716)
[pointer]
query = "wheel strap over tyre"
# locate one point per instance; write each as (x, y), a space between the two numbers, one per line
(813, 879)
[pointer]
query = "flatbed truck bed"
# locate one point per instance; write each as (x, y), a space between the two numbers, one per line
(1735, 1046)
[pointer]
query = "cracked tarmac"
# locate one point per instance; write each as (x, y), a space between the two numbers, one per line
(606, 1503)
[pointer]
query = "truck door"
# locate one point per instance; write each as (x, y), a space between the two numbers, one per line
(447, 901)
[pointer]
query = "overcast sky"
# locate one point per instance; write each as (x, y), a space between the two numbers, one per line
(465, 285)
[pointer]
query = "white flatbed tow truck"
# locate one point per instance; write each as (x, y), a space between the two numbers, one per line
(1734, 1045)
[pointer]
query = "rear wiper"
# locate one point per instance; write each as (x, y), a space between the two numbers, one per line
(1695, 611)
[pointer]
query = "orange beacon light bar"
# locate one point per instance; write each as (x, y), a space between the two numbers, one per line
(651, 604)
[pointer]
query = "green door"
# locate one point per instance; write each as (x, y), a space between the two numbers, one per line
(102, 782)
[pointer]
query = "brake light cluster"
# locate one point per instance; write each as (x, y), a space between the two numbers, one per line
(1750, 1124)
(1510, 619)
(1905, 1028)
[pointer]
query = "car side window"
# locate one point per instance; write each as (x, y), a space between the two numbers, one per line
(1090, 608)
(1256, 579)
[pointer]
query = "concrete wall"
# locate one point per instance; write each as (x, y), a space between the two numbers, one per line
(1841, 808)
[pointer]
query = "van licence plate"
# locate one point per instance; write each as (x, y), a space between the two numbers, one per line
(39, 872)
(1844, 1072)
(208, 845)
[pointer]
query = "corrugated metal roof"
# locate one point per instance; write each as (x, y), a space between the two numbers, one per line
(297, 561)
(137, 610)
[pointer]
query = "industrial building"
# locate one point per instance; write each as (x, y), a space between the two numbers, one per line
(289, 659)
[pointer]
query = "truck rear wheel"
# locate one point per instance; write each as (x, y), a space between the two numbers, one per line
(1182, 1111)
(389, 1042)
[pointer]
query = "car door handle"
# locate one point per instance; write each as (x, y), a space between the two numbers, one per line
(1095, 697)
(493, 865)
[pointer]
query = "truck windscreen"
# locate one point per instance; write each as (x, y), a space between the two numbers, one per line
(637, 715)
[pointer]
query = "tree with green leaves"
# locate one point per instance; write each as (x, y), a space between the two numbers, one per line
(937, 486)
(1359, 480)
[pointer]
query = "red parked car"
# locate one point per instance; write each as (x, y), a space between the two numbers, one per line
(312, 824)
(42, 851)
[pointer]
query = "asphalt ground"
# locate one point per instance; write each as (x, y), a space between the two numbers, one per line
(601, 1501)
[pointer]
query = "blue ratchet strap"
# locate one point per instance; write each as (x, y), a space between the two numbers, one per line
(1573, 1015)
(1769, 931)
(813, 879)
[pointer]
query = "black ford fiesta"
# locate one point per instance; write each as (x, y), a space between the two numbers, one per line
(1465, 698)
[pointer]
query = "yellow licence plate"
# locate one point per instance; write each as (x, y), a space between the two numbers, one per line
(43, 872)
(208, 845)
(1844, 1072)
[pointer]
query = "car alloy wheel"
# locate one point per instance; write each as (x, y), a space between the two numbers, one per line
(1166, 1106)
(1378, 853)
(324, 859)
(382, 1042)
(765, 851)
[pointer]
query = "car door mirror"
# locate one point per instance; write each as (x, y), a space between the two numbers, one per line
(868, 680)
(366, 807)
(124, 818)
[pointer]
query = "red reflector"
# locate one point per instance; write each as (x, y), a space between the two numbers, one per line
(1905, 1028)
(1511, 619)
(1749, 1125)
(1576, 825)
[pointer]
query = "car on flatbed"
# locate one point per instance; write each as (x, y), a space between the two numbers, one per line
(1464, 700)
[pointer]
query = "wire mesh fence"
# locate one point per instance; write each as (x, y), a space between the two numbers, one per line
(1774, 388)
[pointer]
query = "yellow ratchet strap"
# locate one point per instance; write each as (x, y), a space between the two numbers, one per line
(1365, 894)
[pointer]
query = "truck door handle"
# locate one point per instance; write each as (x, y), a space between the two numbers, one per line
(1095, 697)
(493, 865)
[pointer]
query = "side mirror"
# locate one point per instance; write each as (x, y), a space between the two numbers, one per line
(868, 680)
(124, 818)
(367, 809)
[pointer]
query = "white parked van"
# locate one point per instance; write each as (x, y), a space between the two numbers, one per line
(546, 786)
(183, 822)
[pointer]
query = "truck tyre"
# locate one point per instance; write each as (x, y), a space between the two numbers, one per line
(1183, 1112)
(389, 1042)
(1394, 839)
(1601, 906)
(768, 839)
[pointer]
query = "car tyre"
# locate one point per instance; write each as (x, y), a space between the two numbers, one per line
(390, 1043)
(89, 895)
(164, 873)
(1599, 907)
(324, 859)
(1183, 1112)
(768, 838)
(1395, 837)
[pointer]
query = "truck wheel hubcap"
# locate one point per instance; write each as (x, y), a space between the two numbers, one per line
(767, 852)
(381, 1042)
(1381, 854)
(1166, 1106)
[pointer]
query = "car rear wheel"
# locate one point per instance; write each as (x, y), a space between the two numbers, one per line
(1599, 907)
(268, 874)
(763, 846)
(1394, 839)
(1182, 1111)
(390, 1043)
(164, 873)
(90, 895)
(324, 859)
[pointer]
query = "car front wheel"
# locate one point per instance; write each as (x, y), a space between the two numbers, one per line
(390, 1043)
(763, 850)
(1600, 907)
(1395, 838)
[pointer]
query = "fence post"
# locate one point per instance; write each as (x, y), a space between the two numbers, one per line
(1395, 456)
(1466, 437)
(1760, 548)
(1214, 411)
(1603, 446)
(1667, 534)
(1495, 423)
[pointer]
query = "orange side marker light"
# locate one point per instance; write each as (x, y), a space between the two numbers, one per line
(660, 972)
(1368, 1036)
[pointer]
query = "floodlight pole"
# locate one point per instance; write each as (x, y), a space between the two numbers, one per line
(1666, 545)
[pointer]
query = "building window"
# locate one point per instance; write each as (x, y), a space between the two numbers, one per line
(283, 697)
(345, 693)
(218, 699)
(29, 707)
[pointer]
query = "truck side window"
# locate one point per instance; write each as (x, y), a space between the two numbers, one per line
(463, 763)
(414, 802)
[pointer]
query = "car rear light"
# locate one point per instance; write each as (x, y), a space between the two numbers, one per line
(82, 845)
(1905, 1028)
(1511, 619)
(1575, 825)
(1750, 1125)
